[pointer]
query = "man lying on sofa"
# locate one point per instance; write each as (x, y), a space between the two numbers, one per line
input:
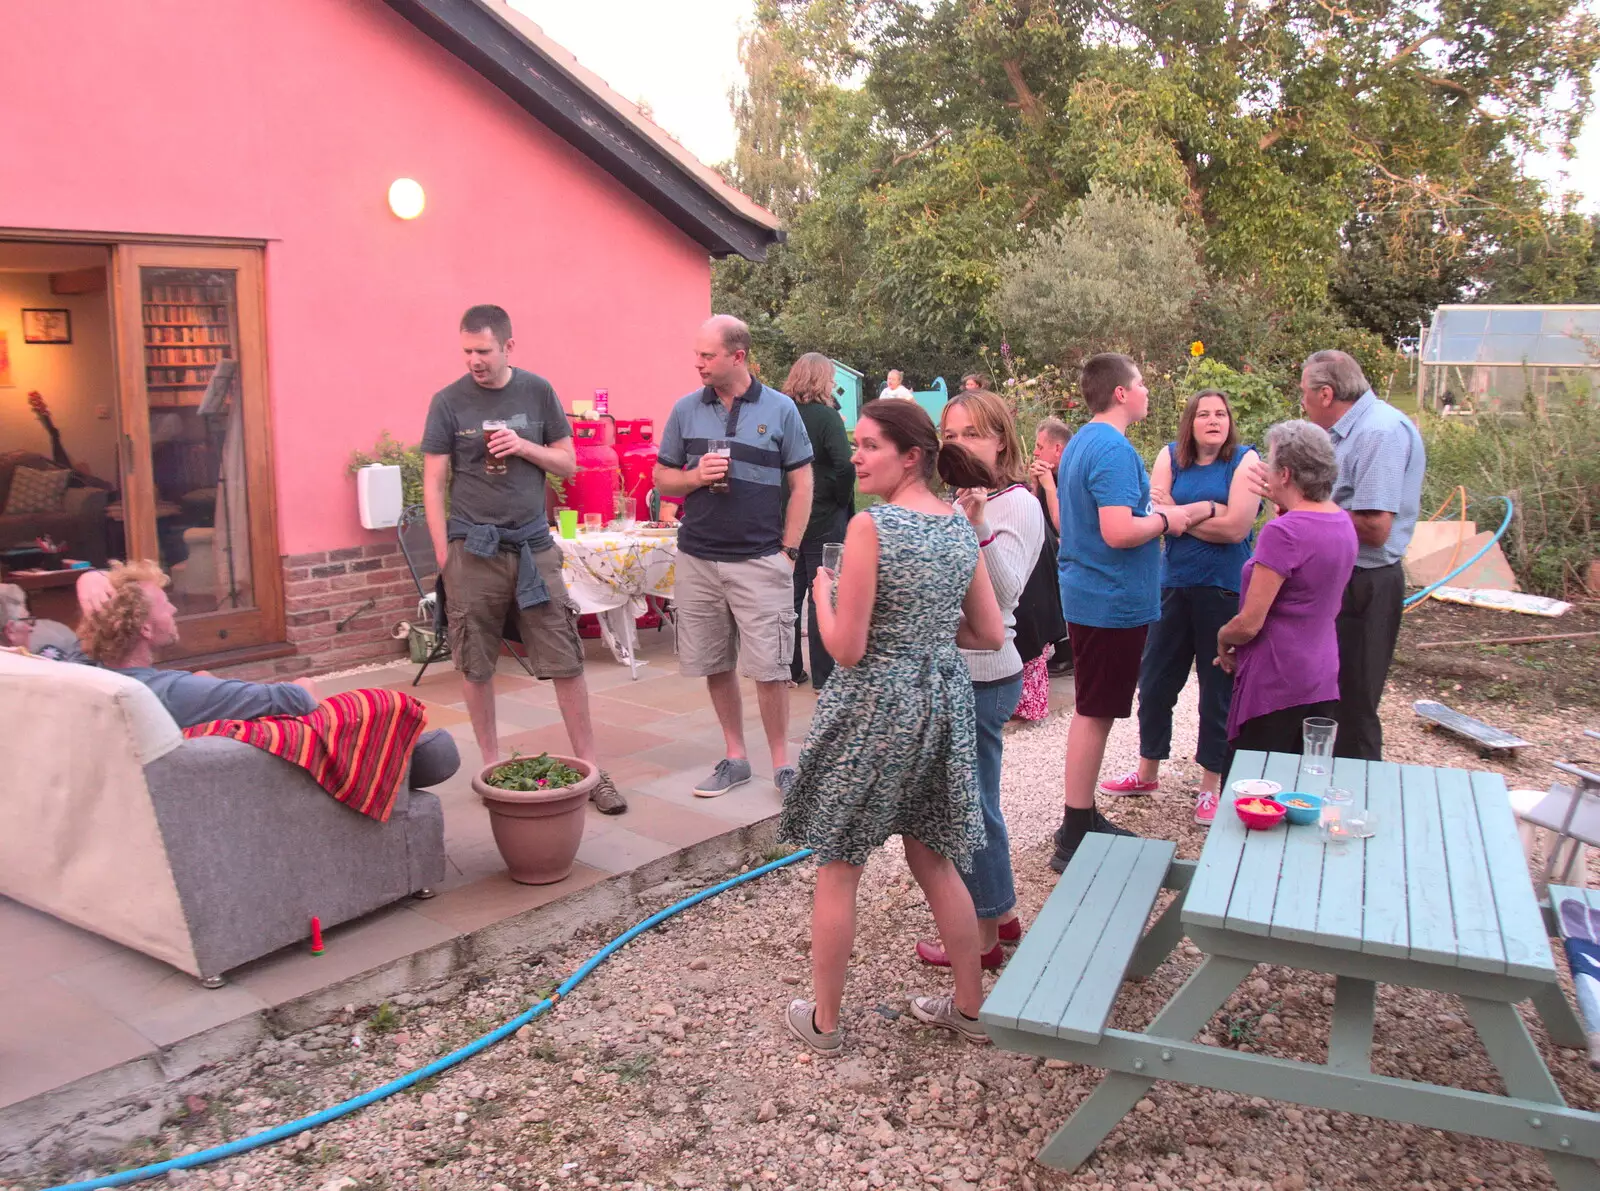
(127, 617)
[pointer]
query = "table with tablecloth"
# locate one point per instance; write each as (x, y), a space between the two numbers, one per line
(611, 574)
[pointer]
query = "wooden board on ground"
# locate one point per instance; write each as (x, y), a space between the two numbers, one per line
(1431, 537)
(1489, 739)
(1492, 570)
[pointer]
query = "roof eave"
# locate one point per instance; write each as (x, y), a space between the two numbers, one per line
(548, 91)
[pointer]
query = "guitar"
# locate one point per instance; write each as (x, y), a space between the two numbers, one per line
(58, 453)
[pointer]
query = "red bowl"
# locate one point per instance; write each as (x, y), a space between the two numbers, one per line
(1261, 820)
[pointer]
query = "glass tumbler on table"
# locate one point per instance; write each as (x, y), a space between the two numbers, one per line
(723, 447)
(592, 522)
(1317, 737)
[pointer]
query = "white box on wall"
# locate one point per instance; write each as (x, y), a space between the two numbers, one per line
(378, 493)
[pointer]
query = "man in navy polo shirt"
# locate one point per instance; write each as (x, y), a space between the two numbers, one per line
(734, 587)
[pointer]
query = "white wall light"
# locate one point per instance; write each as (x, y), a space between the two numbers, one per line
(406, 198)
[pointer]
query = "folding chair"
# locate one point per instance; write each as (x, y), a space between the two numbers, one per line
(416, 546)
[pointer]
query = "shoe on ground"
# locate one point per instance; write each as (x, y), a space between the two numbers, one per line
(1128, 784)
(933, 953)
(1065, 852)
(1205, 807)
(796, 678)
(1059, 669)
(802, 1022)
(942, 1012)
(784, 779)
(728, 774)
(607, 799)
(1011, 932)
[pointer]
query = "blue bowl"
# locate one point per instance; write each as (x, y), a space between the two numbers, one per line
(1304, 816)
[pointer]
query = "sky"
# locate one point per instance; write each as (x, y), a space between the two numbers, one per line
(681, 57)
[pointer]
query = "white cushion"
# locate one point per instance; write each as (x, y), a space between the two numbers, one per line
(40, 685)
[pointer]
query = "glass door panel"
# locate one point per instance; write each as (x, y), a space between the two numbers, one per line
(197, 441)
(191, 329)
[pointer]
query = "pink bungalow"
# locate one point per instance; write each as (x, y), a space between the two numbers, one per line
(234, 241)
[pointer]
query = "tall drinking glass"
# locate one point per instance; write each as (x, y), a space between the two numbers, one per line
(833, 556)
(723, 447)
(1317, 744)
(492, 466)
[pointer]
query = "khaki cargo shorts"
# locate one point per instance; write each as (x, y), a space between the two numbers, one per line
(735, 613)
(481, 596)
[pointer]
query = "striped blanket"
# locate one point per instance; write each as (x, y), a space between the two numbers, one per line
(355, 745)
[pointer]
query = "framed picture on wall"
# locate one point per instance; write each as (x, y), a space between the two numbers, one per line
(46, 326)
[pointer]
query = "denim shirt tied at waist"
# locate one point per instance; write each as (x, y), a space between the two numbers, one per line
(488, 540)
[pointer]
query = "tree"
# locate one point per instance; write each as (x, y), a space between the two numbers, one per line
(1118, 273)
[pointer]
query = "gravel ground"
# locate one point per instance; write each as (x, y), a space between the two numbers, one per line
(669, 1068)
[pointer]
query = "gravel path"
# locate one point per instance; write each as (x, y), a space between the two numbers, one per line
(669, 1068)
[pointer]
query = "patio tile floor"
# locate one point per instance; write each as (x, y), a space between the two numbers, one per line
(73, 1004)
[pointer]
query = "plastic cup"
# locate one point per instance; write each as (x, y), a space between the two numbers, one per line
(1317, 737)
(1362, 822)
(630, 511)
(832, 556)
(567, 519)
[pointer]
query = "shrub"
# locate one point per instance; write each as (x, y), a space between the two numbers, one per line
(1119, 273)
(1550, 469)
(389, 450)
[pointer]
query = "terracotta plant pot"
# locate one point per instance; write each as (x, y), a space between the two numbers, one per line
(538, 831)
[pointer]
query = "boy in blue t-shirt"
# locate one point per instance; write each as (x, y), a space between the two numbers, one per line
(1110, 568)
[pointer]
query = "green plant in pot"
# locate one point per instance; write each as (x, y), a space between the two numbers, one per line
(536, 810)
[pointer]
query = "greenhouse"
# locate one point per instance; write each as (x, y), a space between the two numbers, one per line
(1498, 359)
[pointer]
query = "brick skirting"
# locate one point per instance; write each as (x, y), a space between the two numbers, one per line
(328, 619)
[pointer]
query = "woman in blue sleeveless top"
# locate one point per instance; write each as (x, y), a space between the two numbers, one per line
(1199, 593)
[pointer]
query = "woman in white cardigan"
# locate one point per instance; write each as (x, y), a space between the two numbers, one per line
(1010, 528)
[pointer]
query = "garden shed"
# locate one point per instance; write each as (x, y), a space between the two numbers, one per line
(1494, 359)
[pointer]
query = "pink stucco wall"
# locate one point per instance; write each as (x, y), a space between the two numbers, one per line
(286, 122)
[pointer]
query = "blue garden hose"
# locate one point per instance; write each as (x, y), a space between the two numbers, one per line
(1498, 534)
(444, 1063)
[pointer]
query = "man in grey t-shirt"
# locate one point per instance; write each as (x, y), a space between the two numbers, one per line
(491, 437)
(1381, 461)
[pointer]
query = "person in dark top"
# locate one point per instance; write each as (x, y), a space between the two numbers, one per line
(128, 617)
(833, 498)
(490, 438)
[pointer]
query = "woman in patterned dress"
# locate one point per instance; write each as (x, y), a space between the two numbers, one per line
(892, 748)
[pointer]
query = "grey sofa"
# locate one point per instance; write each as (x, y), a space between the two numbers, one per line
(80, 523)
(204, 853)
(257, 848)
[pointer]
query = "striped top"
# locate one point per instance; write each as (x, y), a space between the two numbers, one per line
(1012, 536)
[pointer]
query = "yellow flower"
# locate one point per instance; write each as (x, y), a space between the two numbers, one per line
(1197, 349)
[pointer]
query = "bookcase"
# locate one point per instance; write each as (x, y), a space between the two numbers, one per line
(188, 328)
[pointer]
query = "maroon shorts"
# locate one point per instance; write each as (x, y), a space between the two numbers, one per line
(1105, 669)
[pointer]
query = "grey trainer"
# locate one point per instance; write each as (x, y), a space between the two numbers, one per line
(942, 1012)
(784, 778)
(803, 1025)
(728, 774)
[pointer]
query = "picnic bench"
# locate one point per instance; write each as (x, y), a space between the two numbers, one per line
(1439, 898)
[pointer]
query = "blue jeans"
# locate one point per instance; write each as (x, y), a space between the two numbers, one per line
(989, 882)
(1186, 635)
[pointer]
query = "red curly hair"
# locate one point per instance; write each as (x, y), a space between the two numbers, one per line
(110, 634)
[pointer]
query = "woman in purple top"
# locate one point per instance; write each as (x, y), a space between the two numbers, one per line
(1282, 647)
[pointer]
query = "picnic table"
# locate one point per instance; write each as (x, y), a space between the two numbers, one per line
(1439, 898)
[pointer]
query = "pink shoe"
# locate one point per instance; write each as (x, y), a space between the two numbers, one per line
(1128, 784)
(1205, 807)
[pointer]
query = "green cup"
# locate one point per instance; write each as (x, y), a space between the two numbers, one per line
(568, 519)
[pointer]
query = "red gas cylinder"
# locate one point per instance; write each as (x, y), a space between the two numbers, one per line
(636, 449)
(594, 488)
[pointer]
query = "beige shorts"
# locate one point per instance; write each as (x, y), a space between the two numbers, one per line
(735, 613)
(481, 601)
